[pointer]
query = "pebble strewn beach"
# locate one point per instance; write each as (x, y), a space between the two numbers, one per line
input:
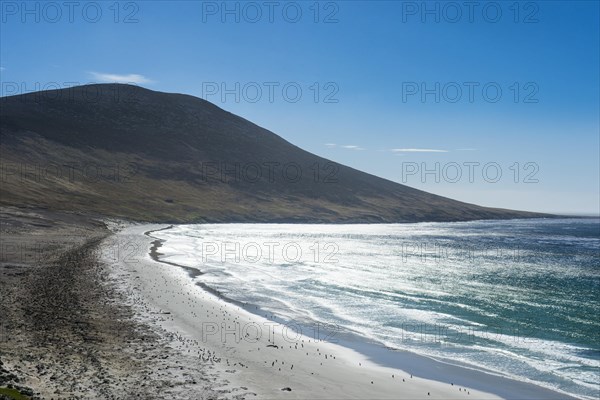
(67, 332)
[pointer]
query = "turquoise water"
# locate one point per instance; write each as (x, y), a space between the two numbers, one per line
(519, 297)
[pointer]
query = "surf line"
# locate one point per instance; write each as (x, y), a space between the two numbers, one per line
(192, 272)
(155, 255)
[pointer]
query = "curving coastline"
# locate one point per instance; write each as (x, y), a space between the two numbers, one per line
(384, 361)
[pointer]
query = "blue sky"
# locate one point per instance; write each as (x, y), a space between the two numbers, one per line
(391, 88)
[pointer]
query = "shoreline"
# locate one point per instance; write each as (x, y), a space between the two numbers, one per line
(383, 360)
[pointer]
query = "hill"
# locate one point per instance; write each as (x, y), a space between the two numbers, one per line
(125, 151)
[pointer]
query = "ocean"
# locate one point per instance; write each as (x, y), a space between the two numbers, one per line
(520, 297)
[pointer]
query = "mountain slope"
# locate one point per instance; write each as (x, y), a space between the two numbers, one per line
(125, 151)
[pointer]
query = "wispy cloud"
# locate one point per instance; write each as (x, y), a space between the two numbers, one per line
(419, 151)
(116, 78)
(352, 147)
(344, 146)
(2, 68)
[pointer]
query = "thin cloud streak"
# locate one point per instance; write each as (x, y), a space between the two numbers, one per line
(116, 78)
(346, 146)
(352, 147)
(419, 151)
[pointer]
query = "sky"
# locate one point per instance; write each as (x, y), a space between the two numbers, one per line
(493, 103)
